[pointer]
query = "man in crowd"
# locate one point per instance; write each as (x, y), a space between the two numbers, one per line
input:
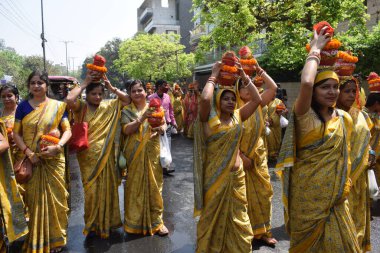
(162, 87)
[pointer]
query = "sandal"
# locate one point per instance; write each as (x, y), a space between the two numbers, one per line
(163, 231)
(269, 240)
(56, 250)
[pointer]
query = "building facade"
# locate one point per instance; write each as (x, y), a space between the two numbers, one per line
(166, 16)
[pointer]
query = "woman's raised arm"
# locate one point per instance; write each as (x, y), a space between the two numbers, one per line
(309, 72)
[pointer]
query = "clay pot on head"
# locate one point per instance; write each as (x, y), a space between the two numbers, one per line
(328, 57)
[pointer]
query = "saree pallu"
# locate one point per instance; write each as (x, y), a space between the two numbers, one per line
(143, 203)
(9, 123)
(97, 164)
(12, 219)
(45, 194)
(375, 142)
(178, 112)
(221, 200)
(315, 169)
(358, 199)
(259, 188)
(274, 138)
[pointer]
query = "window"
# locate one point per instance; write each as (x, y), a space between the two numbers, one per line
(177, 9)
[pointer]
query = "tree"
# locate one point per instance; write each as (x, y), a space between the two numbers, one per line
(155, 56)
(285, 25)
(367, 46)
(110, 51)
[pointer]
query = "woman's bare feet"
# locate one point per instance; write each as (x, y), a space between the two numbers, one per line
(163, 231)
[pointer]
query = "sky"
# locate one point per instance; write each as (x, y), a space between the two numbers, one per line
(88, 25)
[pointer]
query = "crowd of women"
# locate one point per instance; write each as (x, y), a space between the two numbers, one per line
(328, 147)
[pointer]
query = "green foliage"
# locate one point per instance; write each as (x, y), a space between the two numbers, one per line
(367, 46)
(154, 56)
(285, 25)
(19, 67)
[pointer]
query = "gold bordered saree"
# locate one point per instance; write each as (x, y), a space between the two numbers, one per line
(274, 138)
(9, 123)
(358, 198)
(259, 188)
(220, 195)
(315, 170)
(45, 194)
(178, 112)
(375, 142)
(100, 177)
(12, 218)
(143, 203)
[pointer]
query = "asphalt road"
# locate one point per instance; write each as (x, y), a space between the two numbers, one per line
(178, 215)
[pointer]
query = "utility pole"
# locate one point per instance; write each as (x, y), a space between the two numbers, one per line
(73, 66)
(43, 34)
(67, 59)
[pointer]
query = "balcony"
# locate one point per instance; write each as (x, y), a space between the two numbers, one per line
(146, 15)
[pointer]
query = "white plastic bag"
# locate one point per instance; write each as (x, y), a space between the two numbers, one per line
(165, 155)
(372, 185)
(174, 130)
(283, 122)
(267, 131)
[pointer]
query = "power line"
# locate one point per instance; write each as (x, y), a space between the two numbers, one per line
(19, 15)
(14, 22)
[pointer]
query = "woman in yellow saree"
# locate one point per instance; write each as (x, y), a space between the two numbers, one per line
(190, 103)
(178, 107)
(10, 97)
(220, 192)
(12, 220)
(274, 137)
(372, 106)
(45, 193)
(143, 188)
(99, 174)
(314, 164)
(358, 198)
(254, 156)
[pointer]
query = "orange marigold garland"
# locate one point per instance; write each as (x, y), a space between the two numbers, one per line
(345, 65)
(98, 64)
(330, 50)
(228, 73)
(157, 117)
(50, 139)
(373, 82)
(347, 57)
(248, 62)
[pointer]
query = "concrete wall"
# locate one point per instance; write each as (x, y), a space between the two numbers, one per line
(373, 9)
(185, 22)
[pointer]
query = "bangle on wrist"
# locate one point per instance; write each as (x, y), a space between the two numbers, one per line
(311, 57)
(315, 53)
(24, 150)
